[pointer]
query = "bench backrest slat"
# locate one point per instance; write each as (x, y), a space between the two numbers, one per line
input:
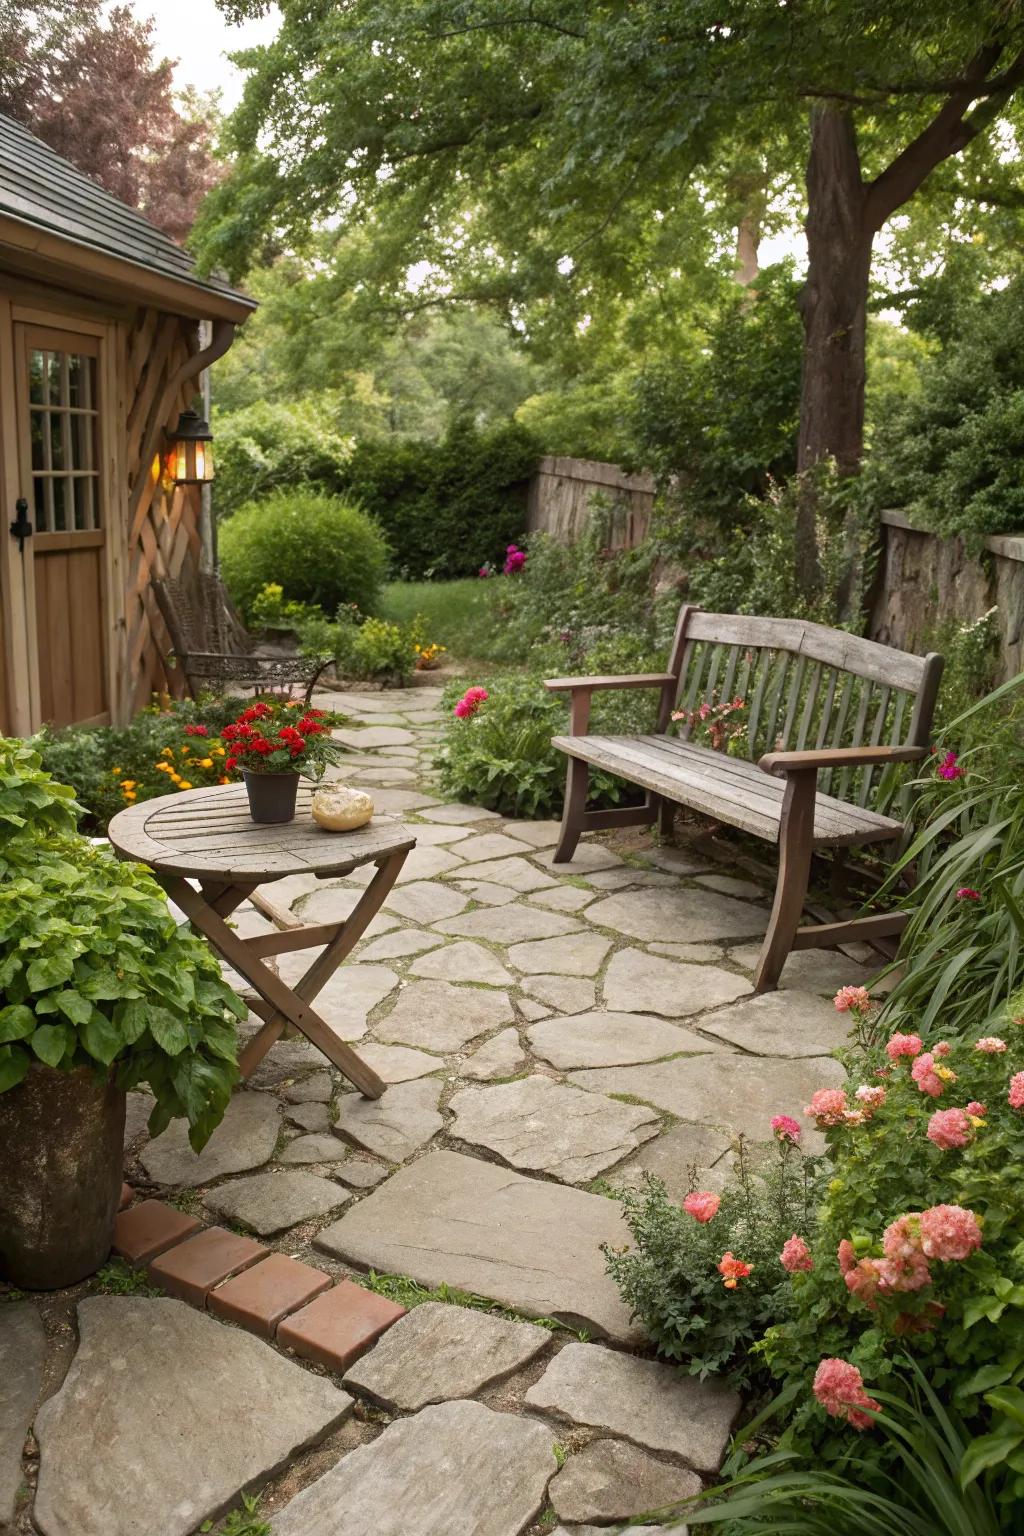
(806, 686)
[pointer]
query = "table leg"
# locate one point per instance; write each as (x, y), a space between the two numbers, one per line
(291, 1004)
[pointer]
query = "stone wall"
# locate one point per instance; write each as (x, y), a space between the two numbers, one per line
(560, 494)
(925, 579)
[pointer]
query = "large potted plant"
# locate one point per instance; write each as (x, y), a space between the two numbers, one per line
(275, 742)
(99, 991)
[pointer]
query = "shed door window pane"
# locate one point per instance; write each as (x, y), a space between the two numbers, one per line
(63, 426)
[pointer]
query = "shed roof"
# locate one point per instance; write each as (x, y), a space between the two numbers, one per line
(43, 191)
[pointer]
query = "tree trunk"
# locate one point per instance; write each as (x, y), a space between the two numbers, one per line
(834, 308)
(748, 239)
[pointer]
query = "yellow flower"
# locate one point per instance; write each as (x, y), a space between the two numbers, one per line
(166, 752)
(163, 767)
(128, 783)
(130, 795)
(184, 784)
(206, 762)
(116, 771)
(946, 1075)
(218, 751)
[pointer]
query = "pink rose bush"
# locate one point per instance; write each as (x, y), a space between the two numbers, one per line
(470, 702)
(702, 1205)
(917, 1243)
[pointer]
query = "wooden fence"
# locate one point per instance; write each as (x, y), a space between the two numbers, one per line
(561, 491)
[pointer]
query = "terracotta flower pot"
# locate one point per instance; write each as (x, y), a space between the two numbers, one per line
(62, 1155)
(271, 795)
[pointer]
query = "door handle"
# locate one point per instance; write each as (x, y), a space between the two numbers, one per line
(21, 528)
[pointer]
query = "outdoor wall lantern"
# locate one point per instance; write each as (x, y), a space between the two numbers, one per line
(189, 459)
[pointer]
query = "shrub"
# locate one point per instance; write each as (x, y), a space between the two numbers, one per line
(446, 507)
(268, 446)
(917, 1248)
(377, 649)
(951, 455)
(94, 970)
(500, 754)
(320, 549)
(673, 1280)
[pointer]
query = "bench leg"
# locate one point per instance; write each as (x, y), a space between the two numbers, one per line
(796, 841)
(572, 810)
(666, 815)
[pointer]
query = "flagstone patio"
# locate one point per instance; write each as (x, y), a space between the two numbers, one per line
(547, 1033)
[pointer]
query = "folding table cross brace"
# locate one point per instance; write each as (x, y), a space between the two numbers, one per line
(207, 835)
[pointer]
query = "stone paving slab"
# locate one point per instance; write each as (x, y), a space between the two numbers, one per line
(318, 1148)
(439, 1352)
(567, 994)
(587, 856)
(462, 961)
(458, 815)
(317, 1088)
(487, 892)
(398, 1063)
(501, 1056)
(653, 1405)
(511, 925)
(687, 915)
(425, 863)
(529, 1244)
(541, 834)
(456, 1467)
(636, 982)
(613, 1480)
(490, 846)
(425, 901)
(579, 954)
(517, 873)
(738, 1093)
(781, 1024)
(542, 1126)
(270, 1202)
(313, 1117)
(395, 1125)
(672, 1155)
(22, 1353)
(612, 1039)
(143, 1437)
(442, 1016)
(245, 1138)
(821, 970)
(370, 736)
(563, 898)
(400, 943)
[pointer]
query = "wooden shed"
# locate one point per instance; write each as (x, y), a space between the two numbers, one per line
(105, 329)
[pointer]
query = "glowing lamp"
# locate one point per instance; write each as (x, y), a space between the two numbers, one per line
(189, 459)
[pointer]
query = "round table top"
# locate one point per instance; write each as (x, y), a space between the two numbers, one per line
(209, 833)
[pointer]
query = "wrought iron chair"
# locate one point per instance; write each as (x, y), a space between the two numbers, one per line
(213, 646)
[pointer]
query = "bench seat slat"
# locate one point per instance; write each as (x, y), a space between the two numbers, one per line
(728, 789)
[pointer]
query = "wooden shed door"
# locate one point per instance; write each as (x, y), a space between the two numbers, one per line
(59, 409)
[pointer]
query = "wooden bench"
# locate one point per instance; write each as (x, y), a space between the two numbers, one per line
(828, 717)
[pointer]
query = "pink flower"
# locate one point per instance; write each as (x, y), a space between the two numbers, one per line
(828, 1106)
(855, 999)
(470, 702)
(484, 571)
(795, 1255)
(476, 695)
(949, 768)
(925, 1076)
(701, 1205)
(968, 893)
(863, 1281)
(1016, 1094)
(839, 1388)
(943, 1048)
(515, 559)
(907, 1274)
(901, 1238)
(977, 1110)
(949, 1232)
(786, 1128)
(464, 709)
(990, 1045)
(904, 1045)
(871, 1098)
(847, 1256)
(949, 1129)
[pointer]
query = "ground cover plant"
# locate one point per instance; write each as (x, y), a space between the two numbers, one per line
(94, 970)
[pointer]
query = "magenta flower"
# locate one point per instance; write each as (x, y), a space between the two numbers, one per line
(949, 768)
(515, 559)
(968, 893)
(786, 1128)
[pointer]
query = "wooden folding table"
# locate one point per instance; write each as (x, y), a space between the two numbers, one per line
(207, 835)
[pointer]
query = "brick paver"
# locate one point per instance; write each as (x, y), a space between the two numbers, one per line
(260, 1297)
(149, 1228)
(192, 1268)
(339, 1326)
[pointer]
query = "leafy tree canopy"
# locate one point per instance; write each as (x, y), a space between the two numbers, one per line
(84, 79)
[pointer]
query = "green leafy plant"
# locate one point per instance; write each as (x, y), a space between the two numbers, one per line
(921, 1493)
(93, 969)
(320, 549)
(244, 1521)
(705, 1278)
(277, 735)
(119, 1279)
(380, 650)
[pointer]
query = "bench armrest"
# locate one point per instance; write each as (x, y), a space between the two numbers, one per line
(635, 680)
(780, 763)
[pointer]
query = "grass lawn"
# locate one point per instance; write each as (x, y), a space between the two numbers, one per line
(457, 614)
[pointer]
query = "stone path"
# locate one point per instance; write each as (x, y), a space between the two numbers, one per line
(546, 1032)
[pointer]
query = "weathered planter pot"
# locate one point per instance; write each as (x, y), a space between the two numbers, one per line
(61, 1162)
(271, 795)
